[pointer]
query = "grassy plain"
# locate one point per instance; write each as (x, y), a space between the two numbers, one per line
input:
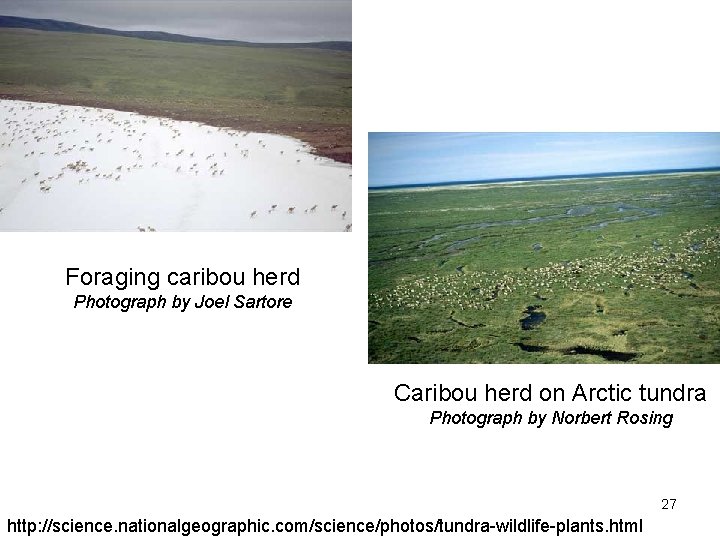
(306, 93)
(623, 269)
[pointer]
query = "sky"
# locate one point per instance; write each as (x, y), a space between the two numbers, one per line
(418, 158)
(245, 20)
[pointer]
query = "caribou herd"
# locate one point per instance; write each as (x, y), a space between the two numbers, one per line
(61, 142)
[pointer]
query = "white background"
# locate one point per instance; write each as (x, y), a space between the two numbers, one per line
(277, 415)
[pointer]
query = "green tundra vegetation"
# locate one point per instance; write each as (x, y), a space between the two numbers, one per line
(294, 91)
(599, 270)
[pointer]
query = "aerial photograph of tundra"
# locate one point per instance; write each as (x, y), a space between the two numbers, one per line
(544, 248)
(169, 115)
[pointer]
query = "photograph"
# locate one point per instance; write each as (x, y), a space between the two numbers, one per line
(544, 247)
(169, 115)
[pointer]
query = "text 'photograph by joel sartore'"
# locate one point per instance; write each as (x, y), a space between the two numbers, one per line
(163, 115)
(544, 248)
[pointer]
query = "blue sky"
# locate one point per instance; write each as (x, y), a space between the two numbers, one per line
(411, 158)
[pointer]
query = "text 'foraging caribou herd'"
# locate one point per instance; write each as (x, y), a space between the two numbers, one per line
(124, 280)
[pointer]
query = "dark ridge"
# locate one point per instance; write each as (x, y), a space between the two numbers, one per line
(461, 323)
(51, 25)
(605, 353)
(579, 176)
(531, 348)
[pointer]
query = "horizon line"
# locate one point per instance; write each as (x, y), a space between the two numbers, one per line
(541, 178)
(216, 40)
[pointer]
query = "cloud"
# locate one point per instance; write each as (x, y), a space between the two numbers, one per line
(249, 20)
(401, 158)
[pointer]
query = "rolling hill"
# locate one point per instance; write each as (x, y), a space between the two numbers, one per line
(301, 92)
(51, 25)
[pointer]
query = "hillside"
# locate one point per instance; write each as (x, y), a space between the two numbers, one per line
(51, 25)
(305, 93)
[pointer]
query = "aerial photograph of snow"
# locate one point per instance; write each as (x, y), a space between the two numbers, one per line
(77, 168)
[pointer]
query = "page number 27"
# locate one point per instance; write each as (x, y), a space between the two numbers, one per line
(668, 504)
